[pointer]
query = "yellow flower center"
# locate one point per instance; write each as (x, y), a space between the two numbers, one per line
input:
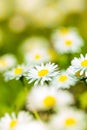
(3, 62)
(37, 57)
(18, 71)
(13, 123)
(84, 63)
(64, 31)
(68, 42)
(43, 72)
(63, 78)
(49, 101)
(70, 121)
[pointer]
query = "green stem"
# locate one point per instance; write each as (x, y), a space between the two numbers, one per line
(69, 56)
(23, 83)
(36, 115)
(85, 83)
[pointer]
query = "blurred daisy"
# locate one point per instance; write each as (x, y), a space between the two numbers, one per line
(7, 61)
(37, 55)
(78, 67)
(16, 73)
(63, 80)
(17, 24)
(33, 42)
(42, 73)
(69, 119)
(72, 6)
(45, 98)
(36, 50)
(75, 74)
(67, 40)
(47, 13)
(9, 122)
(28, 6)
(33, 125)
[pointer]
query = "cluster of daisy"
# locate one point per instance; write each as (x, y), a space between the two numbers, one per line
(49, 104)
(42, 100)
(35, 50)
(20, 122)
(49, 73)
(42, 74)
(47, 109)
(49, 94)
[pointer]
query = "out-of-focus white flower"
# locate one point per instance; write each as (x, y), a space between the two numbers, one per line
(16, 73)
(69, 119)
(45, 14)
(33, 125)
(28, 6)
(42, 73)
(44, 98)
(10, 122)
(78, 67)
(67, 40)
(36, 50)
(37, 55)
(33, 42)
(63, 80)
(17, 24)
(7, 61)
(72, 6)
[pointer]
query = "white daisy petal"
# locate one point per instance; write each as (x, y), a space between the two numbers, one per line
(45, 98)
(9, 122)
(63, 80)
(42, 73)
(69, 119)
(67, 40)
(16, 73)
(79, 66)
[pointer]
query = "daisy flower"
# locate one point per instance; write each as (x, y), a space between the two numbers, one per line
(45, 98)
(9, 122)
(69, 119)
(78, 67)
(37, 55)
(16, 73)
(33, 125)
(33, 42)
(63, 80)
(67, 40)
(7, 61)
(42, 73)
